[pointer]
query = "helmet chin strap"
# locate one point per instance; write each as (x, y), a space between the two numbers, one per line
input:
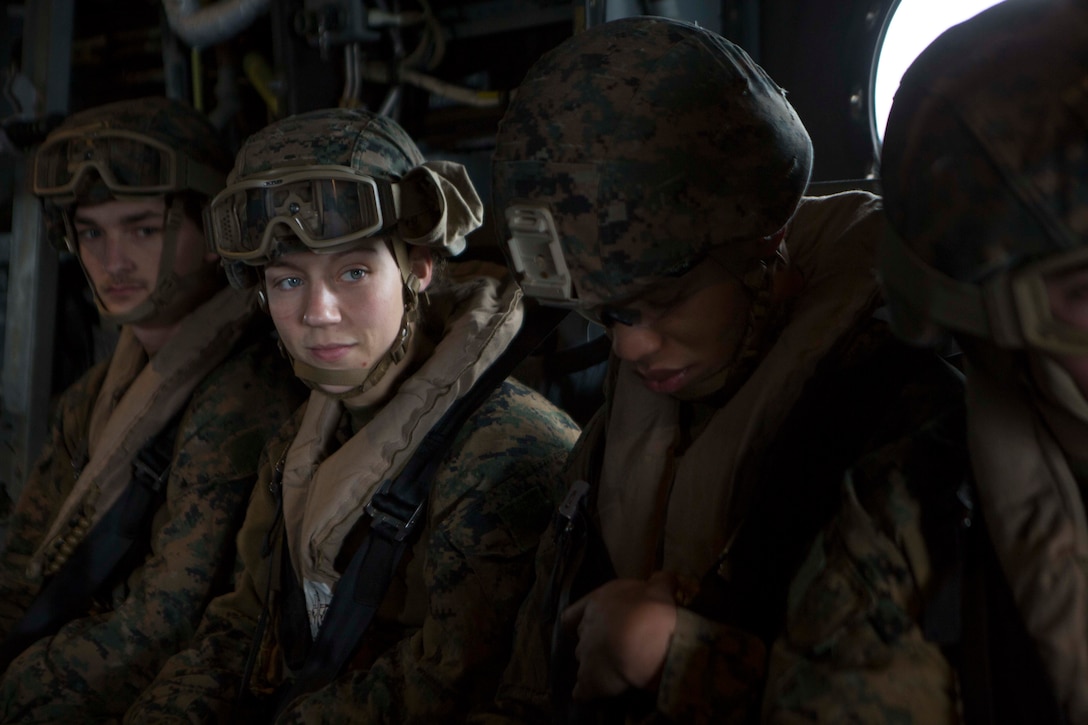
(361, 380)
(759, 282)
(169, 287)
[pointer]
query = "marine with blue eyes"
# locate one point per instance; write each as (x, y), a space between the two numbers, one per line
(651, 176)
(125, 527)
(346, 233)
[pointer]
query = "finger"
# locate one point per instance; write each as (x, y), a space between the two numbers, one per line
(572, 615)
(662, 585)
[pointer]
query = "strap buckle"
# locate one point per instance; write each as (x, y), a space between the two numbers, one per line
(384, 519)
(568, 509)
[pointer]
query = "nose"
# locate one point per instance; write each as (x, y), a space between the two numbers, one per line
(322, 307)
(634, 342)
(113, 255)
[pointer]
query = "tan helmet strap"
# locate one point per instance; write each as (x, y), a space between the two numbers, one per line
(758, 280)
(360, 379)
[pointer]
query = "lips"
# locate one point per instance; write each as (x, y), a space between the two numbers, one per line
(330, 353)
(123, 289)
(664, 381)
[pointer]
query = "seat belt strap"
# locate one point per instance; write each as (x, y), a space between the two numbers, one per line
(105, 556)
(396, 510)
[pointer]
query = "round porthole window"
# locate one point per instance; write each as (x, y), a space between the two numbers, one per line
(909, 27)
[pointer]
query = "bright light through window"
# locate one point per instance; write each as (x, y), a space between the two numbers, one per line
(913, 26)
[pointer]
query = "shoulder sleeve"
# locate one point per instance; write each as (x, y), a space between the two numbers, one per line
(100, 663)
(523, 694)
(44, 491)
(853, 648)
(201, 681)
(711, 670)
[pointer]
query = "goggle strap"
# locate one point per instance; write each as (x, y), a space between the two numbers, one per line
(175, 216)
(956, 305)
(400, 253)
(387, 202)
(187, 173)
(406, 198)
(197, 177)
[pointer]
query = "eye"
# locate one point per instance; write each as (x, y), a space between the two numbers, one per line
(286, 283)
(1077, 292)
(145, 232)
(664, 300)
(610, 316)
(1070, 288)
(354, 274)
(88, 233)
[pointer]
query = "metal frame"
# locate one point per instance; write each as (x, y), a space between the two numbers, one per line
(26, 378)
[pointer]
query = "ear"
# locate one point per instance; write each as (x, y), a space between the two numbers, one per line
(422, 264)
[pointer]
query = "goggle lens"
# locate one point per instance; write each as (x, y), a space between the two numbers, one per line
(322, 211)
(1051, 298)
(127, 163)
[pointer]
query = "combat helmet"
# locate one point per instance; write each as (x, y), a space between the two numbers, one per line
(325, 180)
(634, 149)
(129, 150)
(984, 168)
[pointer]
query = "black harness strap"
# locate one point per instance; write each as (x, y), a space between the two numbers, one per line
(395, 513)
(107, 555)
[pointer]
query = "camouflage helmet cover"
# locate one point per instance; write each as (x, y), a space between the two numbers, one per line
(651, 141)
(986, 151)
(355, 138)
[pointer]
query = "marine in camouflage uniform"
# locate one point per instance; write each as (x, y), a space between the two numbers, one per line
(208, 399)
(917, 606)
(442, 632)
(652, 176)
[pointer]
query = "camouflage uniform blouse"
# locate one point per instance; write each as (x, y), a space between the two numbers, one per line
(489, 500)
(867, 390)
(96, 666)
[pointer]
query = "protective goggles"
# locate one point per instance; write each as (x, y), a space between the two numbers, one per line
(1051, 300)
(1042, 305)
(128, 163)
(324, 207)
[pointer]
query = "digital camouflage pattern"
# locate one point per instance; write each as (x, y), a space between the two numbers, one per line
(852, 649)
(868, 393)
(717, 660)
(910, 608)
(94, 667)
(367, 142)
(490, 499)
(644, 174)
(962, 187)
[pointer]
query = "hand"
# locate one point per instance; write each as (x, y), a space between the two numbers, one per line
(624, 628)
